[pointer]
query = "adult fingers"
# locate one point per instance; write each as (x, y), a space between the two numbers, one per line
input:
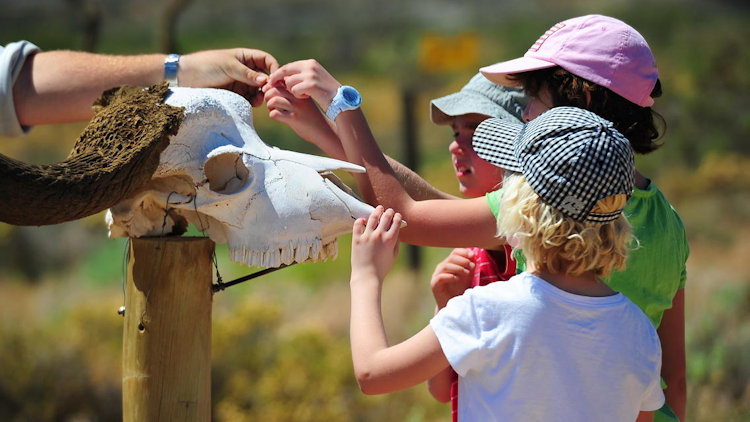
(255, 65)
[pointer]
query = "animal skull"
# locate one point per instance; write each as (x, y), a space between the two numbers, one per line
(270, 206)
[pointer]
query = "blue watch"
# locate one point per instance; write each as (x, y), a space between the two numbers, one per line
(346, 98)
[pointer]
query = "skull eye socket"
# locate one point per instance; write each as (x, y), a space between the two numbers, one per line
(226, 173)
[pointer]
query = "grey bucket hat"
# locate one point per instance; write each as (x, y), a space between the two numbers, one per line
(480, 96)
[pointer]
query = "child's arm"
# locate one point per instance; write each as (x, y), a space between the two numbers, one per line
(379, 368)
(645, 417)
(451, 278)
(440, 385)
(672, 336)
(304, 117)
(467, 222)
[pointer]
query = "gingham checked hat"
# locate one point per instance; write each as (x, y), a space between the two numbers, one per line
(571, 157)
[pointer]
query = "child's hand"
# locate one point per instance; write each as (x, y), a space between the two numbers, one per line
(452, 276)
(302, 115)
(307, 79)
(375, 244)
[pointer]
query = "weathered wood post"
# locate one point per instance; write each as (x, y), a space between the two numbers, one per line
(167, 332)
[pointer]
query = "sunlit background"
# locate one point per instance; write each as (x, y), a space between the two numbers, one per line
(280, 343)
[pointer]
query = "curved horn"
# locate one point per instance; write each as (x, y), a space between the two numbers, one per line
(114, 157)
(317, 162)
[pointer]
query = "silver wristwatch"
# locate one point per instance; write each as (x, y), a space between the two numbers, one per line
(171, 64)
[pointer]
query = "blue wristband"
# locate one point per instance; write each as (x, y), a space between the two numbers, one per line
(171, 64)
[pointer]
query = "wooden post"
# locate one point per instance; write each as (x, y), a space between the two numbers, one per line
(167, 334)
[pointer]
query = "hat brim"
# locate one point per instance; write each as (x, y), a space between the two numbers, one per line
(444, 109)
(498, 72)
(494, 141)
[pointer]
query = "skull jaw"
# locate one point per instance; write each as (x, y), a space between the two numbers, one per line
(300, 251)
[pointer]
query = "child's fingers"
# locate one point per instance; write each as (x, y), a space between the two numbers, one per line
(359, 227)
(442, 279)
(299, 87)
(291, 79)
(395, 224)
(453, 270)
(464, 252)
(279, 116)
(282, 72)
(372, 222)
(277, 91)
(385, 219)
(279, 103)
(280, 110)
(460, 260)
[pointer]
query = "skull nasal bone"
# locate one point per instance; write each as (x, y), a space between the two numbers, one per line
(226, 173)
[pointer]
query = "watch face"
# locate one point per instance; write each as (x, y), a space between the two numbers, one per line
(351, 96)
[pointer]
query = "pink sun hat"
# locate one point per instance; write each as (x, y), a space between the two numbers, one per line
(598, 48)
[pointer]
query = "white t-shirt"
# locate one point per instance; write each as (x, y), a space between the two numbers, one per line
(525, 350)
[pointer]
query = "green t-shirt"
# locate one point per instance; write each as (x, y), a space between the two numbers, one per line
(656, 269)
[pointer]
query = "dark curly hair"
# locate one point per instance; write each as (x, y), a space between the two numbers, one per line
(641, 125)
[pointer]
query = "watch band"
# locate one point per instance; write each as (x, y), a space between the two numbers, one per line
(171, 65)
(333, 109)
(346, 98)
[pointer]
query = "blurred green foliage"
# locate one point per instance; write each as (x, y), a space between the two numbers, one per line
(718, 368)
(280, 343)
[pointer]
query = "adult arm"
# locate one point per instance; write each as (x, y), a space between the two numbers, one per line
(672, 336)
(417, 188)
(61, 86)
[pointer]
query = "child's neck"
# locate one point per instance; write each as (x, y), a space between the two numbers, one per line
(586, 284)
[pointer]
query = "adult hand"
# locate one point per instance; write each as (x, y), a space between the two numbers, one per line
(307, 79)
(452, 276)
(241, 70)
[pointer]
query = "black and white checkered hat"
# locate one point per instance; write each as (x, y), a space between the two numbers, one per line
(571, 157)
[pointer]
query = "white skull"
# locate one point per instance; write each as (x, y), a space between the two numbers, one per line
(270, 206)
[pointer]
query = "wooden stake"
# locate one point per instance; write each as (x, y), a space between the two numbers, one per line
(167, 334)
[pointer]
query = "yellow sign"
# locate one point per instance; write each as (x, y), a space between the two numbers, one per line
(442, 54)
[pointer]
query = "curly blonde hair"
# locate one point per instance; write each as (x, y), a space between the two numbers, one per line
(557, 243)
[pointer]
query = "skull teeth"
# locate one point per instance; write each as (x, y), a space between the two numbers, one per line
(308, 252)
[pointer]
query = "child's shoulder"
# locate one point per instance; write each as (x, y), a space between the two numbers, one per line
(517, 285)
(649, 199)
